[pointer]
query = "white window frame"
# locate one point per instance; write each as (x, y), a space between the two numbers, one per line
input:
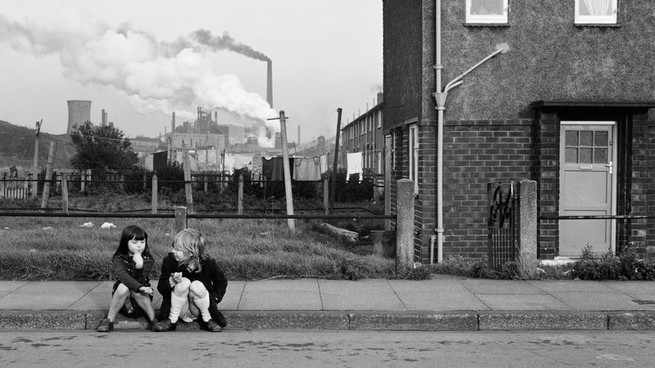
(413, 155)
(488, 18)
(596, 19)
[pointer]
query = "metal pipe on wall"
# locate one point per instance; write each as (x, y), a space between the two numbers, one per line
(440, 99)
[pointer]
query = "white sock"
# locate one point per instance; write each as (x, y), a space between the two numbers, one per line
(203, 307)
(177, 302)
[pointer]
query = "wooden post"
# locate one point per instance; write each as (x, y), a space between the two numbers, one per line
(326, 198)
(240, 197)
(145, 185)
(48, 176)
(35, 164)
(64, 193)
(287, 171)
(180, 219)
(168, 150)
(333, 187)
(154, 194)
(188, 188)
(82, 181)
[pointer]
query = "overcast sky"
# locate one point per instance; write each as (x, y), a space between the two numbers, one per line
(140, 60)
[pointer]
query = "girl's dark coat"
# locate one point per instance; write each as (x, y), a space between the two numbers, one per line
(211, 276)
(127, 273)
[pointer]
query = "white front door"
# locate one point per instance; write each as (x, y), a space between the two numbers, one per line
(587, 183)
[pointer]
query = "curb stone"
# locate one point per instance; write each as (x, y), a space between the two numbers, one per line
(349, 320)
(426, 321)
(543, 321)
(632, 321)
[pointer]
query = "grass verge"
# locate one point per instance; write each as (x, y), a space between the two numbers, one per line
(60, 249)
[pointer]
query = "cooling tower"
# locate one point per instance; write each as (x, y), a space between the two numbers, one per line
(269, 82)
(79, 112)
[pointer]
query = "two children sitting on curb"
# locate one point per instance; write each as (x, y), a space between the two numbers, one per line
(191, 283)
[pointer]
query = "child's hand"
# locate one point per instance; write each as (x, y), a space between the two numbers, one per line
(176, 276)
(146, 290)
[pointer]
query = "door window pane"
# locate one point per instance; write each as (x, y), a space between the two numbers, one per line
(600, 139)
(571, 155)
(585, 155)
(600, 155)
(586, 138)
(571, 138)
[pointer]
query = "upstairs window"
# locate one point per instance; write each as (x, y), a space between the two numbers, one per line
(487, 11)
(595, 11)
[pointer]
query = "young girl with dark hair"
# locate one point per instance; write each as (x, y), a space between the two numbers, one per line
(131, 294)
(191, 284)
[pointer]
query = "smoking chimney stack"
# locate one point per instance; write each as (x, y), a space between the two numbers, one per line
(79, 112)
(173, 123)
(269, 82)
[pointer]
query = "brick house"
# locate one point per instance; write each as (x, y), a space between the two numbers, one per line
(570, 105)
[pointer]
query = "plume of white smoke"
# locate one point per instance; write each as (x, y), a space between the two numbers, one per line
(156, 76)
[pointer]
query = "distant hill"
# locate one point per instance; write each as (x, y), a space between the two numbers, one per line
(17, 148)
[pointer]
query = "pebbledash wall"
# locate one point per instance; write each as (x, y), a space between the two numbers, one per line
(503, 122)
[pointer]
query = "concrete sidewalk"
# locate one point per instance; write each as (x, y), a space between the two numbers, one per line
(442, 304)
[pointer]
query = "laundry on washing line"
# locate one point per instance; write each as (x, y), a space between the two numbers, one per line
(354, 161)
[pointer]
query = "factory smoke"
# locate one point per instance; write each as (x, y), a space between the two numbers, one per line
(156, 76)
(226, 42)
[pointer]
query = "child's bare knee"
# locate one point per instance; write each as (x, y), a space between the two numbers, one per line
(121, 290)
(197, 288)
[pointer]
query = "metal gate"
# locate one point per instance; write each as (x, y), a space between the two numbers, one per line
(502, 224)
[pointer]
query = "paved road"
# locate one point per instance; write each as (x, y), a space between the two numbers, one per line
(327, 349)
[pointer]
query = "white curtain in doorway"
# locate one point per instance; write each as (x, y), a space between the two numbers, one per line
(599, 7)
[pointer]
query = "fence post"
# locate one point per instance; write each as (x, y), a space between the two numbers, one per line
(64, 193)
(48, 176)
(240, 196)
(405, 224)
(154, 193)
(188, 187)
(326, 197)
(527, 219)
(180, 218)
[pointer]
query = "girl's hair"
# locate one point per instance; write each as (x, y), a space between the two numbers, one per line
(129, 233)
(193, 243)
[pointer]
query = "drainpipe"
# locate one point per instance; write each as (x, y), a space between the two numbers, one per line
(441, 106)
(440, 99)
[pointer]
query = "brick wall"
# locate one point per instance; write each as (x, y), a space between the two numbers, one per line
(547, 146)
(643, 176)
(476, 153)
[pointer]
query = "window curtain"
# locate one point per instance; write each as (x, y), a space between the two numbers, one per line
(599, 7)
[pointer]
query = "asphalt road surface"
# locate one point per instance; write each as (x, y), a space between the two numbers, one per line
(264, 348)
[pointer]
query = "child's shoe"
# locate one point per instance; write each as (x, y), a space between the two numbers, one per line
(105, 326)
(164, 325)
(211, 326)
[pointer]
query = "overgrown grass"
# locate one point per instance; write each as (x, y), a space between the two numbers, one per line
(59, 249)
(42, 248)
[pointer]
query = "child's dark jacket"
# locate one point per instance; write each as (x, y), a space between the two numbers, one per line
(126, 272)
(211, 276)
